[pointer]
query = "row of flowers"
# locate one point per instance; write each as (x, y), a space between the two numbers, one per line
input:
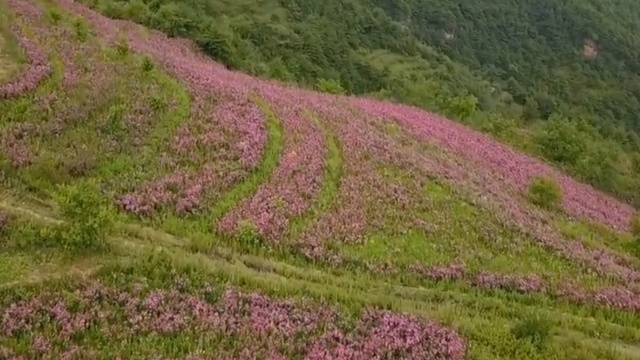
(277, 328)
(509, 167)
(38, 67)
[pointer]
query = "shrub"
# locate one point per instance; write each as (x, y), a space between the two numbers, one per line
(87, 217)
(536, 330)
(330, 86)
(147, 64)
(248, 234)
(122, 47)
(545, 193)
(54, 15)
(81, 30)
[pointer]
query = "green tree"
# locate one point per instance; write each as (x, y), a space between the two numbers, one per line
(463, 107)
(559, 140)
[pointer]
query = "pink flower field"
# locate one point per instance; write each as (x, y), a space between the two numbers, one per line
(264, 325)
(337, 227)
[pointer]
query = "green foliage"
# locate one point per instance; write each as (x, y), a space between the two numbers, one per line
(32, 237)
(147, 64)
(54, 15)
(526, 81)
(329, 86)
(5, 224)
(635, 226)
(536, 330)
(81, 29)
(248, 235)
(561, 142)
(122, 48)
(545, 193)
(88, 221)
(464, 107)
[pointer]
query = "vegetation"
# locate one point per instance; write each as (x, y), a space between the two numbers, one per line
(88, 221)
(545, 193)
(534, 329)
(154, 204)
(522, 72)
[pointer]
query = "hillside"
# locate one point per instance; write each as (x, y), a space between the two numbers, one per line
(156, 204)
(515, 70)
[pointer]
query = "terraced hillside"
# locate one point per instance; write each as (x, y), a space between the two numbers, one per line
(157, 205)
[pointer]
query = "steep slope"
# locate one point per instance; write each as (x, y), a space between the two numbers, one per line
(580, 56)
(157, 204)
(505, 68)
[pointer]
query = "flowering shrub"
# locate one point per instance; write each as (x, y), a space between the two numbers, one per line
(612, 297)
(527, 284)
(16, 150)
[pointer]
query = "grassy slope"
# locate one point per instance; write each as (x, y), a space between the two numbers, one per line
(10, 56)
(117, 139)
(397, 50)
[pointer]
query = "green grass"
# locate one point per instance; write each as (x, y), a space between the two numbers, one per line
(9, 64)
(462, 232)
(11, 56)
(600, 237)
(469, 310)
(39, 256)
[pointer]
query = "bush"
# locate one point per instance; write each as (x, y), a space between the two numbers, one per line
(248, 234)
(634, 245)
(54, 15)
(147, 64)
(122, 47)
(81, 29)
(330, 86)
(88, 221)
(533, 329)
(545, 193)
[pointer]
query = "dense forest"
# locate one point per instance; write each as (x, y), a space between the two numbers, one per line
(554, 78)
